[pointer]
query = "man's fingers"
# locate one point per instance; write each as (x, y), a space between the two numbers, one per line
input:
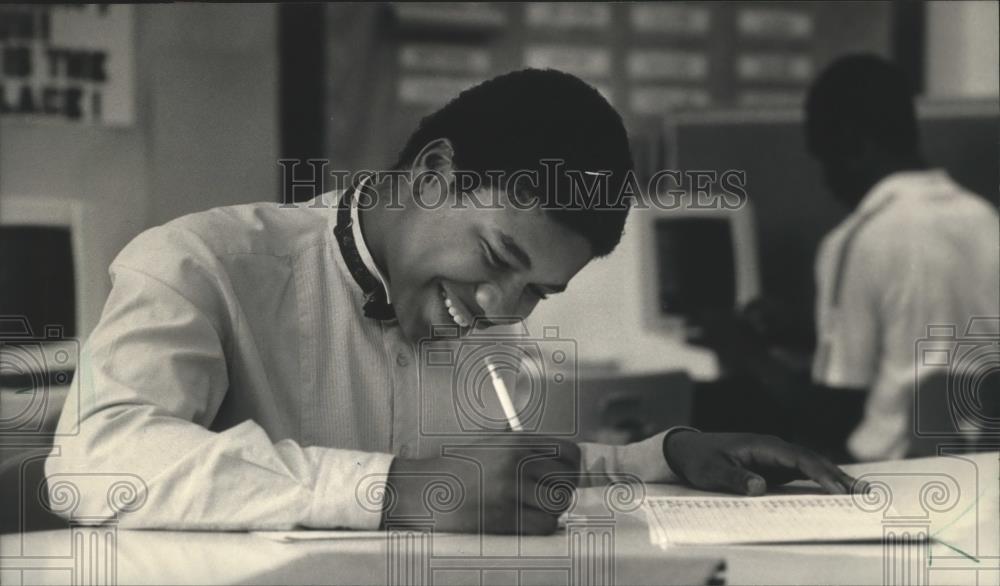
(551, 473)
(842, 478)
(563, 460)
(552, 493)
(746, 463)
(845, 481)
(852, 484)
(735, 478)
(539, 468)
(823, 473)
(772, 452)
(553, 499)
(754, 484)
(569, 454)
(556, 449)
(789, 461)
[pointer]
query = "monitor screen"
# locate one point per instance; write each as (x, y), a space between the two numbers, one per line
(695, 265)
(37, 279)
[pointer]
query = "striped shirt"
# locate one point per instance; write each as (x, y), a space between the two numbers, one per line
(234, 373)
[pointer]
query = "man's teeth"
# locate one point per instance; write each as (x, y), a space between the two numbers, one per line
(455, 316)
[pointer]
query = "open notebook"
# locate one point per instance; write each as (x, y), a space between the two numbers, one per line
(767, 519)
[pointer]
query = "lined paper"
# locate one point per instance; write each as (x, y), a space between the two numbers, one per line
(767, 519)
(314, 535)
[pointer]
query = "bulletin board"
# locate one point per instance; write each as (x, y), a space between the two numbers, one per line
(390, 64)
(67, 64)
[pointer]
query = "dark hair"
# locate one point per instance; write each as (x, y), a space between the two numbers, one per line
(516, 121)
(868, 95)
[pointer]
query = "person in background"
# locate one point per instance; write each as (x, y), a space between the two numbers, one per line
(916, 250)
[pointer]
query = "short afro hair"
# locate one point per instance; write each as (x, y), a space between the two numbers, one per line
(867, 94)
(514, 122)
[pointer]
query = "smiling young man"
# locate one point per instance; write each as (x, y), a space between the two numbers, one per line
(256, 367)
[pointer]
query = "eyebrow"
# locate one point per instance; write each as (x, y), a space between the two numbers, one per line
(512, 247)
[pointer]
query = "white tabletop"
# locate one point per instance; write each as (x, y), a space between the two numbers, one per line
(952, 498)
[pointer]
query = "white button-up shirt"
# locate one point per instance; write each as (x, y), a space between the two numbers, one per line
(918, 251)
(234, 373)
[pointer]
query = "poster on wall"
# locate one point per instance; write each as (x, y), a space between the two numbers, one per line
(445, 58)
(765, 23)
(568, 15)
(667, 64)
(67, 63)
(588, 61)
(674, 19)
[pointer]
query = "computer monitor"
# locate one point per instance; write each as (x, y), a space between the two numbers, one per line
(36, 282)
(699, 261)
(44, 292)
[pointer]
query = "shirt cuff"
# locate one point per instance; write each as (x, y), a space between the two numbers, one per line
(350, 490)
(643, 460)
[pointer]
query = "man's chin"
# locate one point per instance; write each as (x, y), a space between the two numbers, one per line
(416, 328)
(412, 332)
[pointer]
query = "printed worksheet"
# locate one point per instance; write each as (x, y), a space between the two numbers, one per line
(767, 519)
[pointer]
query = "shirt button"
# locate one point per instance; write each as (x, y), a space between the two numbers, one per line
(402, 360)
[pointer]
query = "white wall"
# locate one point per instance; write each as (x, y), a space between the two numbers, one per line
(213, 106)
(963, 49)
(206, 133)
(603, 310)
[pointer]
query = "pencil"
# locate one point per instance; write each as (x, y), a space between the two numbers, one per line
(504, 397)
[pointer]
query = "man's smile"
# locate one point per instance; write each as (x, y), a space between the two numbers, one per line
(456, 308)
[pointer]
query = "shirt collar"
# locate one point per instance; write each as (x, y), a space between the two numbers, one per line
(359, 241)
(909, 182)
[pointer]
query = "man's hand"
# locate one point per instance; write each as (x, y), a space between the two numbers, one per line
(504, 484)
(747, 463)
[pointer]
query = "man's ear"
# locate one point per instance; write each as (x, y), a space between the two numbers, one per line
(434, 166)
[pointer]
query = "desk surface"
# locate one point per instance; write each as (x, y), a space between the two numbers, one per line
(953, 498)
